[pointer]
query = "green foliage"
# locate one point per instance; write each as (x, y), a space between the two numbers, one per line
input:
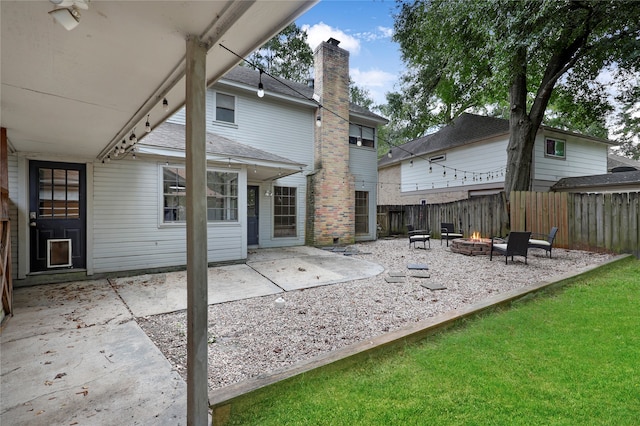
(360, 96)
(469, 55)
(568, 358)
(287, 55)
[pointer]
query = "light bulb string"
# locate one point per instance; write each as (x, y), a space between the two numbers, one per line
(321, 106)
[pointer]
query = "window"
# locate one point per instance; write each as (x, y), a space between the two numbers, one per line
(59, 194)
(222, 195)
(366, 135)
(284, 211)
(554, 148)
(362, 212)
(225, 108)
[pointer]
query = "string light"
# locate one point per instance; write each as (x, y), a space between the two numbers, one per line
(147, 125)
(260, 86)
(165, 105)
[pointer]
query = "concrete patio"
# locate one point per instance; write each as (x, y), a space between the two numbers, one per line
(74, 354)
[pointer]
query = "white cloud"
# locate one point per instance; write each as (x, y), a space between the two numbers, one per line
(376, 81)
(379, 34)
(318, 33)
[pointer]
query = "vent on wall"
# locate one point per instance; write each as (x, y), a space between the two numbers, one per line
(440, 157)
(59, 253)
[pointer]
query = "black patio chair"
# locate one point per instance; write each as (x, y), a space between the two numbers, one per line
(447, 232)
(416, 235)
(517, 244)
(542, 243)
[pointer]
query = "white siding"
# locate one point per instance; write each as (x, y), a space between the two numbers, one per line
(482, 159)
(267, 240)
(582, 158)
(127, 232)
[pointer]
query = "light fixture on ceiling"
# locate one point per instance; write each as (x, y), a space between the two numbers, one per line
(69, 18)
(260, 86)
(67, 13)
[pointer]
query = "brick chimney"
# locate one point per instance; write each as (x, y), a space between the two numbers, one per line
(331, 204)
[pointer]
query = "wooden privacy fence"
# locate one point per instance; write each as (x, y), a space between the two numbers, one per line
(486, 214)
(594, 222)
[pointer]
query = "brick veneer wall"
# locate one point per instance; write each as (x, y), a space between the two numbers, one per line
(332, 187)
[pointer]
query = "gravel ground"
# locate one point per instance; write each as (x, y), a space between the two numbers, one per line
(252, 337)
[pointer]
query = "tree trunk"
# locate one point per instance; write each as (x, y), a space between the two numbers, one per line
(522, 131)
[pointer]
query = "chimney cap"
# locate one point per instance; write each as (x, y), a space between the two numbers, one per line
(333, 41)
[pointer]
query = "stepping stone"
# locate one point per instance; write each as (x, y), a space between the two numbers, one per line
(339, 249)
(397, 274)
(420, 274)
(417, 266)
(394, 279)
(433, 286)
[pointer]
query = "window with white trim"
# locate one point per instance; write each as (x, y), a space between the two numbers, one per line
(225, 108)
(554, 148)
(284, 211)
(222, 195)
(362, 135)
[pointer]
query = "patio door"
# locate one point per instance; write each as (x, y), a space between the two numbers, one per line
(253, 193)
(57, 215)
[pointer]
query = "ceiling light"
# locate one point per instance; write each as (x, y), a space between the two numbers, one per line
(69, 18)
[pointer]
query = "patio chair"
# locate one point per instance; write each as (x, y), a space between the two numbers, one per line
(447, 232)
(416, 235)
(544, 244)
(517, 244)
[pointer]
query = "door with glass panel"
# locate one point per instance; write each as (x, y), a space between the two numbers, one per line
(57, 215)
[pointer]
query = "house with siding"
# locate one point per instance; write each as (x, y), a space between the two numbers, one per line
(468, 158)
(296, 166)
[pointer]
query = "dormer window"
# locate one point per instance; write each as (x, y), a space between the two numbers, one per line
(362, 136)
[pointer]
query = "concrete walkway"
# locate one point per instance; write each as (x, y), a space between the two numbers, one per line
(73, 353)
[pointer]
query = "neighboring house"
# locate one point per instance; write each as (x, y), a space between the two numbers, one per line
(275, 178)
(623, 176)
(468, 158)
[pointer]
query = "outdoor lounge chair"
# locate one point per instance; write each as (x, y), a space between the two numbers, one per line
(517, 244)
(418, 235)
(448, 233)
(544, 244)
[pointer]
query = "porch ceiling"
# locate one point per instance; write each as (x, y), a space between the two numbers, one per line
(77, 93)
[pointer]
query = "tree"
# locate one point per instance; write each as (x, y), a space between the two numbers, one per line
(360, 96)
(286, 55)
(532, 56)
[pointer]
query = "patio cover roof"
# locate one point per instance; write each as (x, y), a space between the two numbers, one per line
(168, 141)
(77, 93)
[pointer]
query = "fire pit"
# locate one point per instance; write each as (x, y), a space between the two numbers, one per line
(474, 246)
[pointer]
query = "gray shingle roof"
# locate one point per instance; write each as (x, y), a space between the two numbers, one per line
(170, 135)
(609, 179)
(466, 129)
(614, 160)
(251, 77)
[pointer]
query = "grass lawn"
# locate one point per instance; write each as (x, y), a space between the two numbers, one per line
(568, 357)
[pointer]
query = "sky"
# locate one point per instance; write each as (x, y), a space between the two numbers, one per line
(364, 28)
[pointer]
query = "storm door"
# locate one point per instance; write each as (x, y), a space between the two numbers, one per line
(252, 215)
(57, 215)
